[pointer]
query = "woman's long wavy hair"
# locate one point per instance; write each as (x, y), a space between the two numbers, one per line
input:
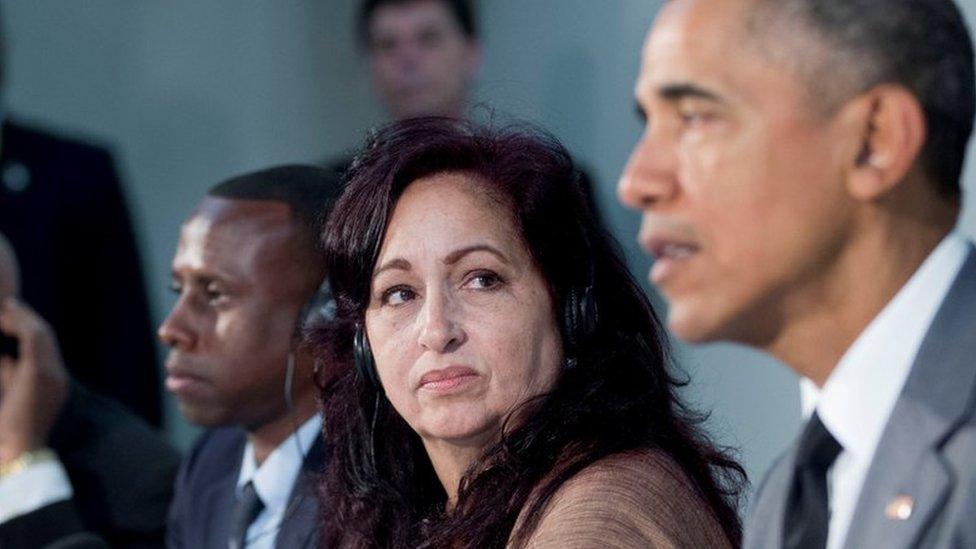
(380, 489)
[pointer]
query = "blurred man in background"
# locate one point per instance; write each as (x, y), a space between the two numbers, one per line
(799, 183)
(424, 57)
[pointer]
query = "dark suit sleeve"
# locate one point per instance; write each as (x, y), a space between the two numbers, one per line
(101, 293)
(49, 524)
(121, 470)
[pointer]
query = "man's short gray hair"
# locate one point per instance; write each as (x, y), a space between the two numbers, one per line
(921, 45)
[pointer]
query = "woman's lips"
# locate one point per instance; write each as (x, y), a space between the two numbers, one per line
(448, 380)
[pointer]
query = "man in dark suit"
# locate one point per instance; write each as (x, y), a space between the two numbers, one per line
(71, 461)
(62, 208)
(799, 183)
(247, 265)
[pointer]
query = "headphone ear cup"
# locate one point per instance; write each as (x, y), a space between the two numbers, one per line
(363, 356)
(588, 315)
(571, 325)
(579, 320)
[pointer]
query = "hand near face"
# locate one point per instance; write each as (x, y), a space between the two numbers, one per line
(33, 387)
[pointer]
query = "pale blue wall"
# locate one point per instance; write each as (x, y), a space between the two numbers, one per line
(192, 91)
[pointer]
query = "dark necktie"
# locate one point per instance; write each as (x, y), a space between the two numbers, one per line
(807, 515)
(248, 507)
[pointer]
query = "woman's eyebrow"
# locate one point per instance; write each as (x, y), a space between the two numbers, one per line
(396, 263)
(458, 254)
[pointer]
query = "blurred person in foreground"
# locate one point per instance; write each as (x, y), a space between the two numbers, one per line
(505, 381)
(247, 273)
(799, 180)
(75, 468)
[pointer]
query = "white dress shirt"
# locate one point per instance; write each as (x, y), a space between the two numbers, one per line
(33, 487)
(860, 394)
(274, 481)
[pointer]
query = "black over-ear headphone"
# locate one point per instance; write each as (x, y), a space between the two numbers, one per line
(579, 321)
(321, 307)
(363, 355)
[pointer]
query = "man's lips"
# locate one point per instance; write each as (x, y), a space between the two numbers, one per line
(663, 247)
(447, 379)
(180, 379)
(669, 253)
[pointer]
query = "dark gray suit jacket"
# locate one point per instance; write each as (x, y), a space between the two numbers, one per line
(200, 515)
(122, 475)
(927, 451)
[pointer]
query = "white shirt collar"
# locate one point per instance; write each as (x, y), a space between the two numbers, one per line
(858, 397)
(275, 478)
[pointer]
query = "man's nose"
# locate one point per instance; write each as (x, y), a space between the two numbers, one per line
(651, 174)
(175, 331)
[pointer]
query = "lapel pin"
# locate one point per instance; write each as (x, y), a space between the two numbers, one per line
(900, 508)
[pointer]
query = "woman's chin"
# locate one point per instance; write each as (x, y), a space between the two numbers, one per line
(460, 431)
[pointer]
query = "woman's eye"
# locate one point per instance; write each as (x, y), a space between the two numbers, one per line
(483, 280)
(397, 295)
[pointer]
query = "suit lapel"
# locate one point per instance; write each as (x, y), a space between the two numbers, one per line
(907, 464)
(301, 522)
(220, 497)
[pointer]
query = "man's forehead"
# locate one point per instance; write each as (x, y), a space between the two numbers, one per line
(220, 210)
(706, 44)
(697, 28)
(408, 15)
(224, 232)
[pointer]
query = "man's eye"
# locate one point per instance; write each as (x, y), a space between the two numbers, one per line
(483, 280)
(398, 295)
(696, 118)
(176, 287)
(641, 114)
(383, 45)
(431, 38)
(214, 294)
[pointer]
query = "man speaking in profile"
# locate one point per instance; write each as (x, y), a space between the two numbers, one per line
(247, 265)
(799, 183)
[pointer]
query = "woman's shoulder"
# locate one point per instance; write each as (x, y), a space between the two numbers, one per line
(640, 498)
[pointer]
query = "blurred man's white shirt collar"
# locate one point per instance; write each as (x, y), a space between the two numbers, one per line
(274, 481)
(33, 487)
(859, 396)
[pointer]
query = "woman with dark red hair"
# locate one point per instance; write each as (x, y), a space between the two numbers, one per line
(496, 377)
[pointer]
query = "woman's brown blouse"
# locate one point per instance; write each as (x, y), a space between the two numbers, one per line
(636, 499)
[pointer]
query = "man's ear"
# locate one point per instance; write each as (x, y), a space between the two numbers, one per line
(893, 128)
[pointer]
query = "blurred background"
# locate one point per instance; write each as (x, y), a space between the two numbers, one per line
(189, 92)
